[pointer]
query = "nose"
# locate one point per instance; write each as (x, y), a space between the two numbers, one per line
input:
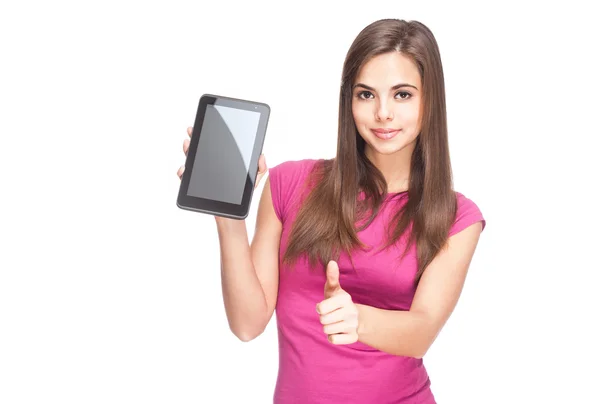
(383, 113)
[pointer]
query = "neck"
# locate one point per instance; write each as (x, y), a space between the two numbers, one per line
(394, 167)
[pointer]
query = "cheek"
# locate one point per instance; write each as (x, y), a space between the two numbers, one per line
(406, 112)
(360, 115)
(411, 117)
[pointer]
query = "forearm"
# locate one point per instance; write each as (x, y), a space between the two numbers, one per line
(402, 333)
(243, 296)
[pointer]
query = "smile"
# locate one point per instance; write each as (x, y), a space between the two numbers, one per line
(385, 134)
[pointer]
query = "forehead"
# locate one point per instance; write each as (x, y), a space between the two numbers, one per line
(389, 69)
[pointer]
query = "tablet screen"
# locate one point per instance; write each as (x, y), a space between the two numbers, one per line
(222, 160)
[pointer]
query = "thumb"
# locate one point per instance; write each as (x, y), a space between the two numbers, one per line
(333, 277)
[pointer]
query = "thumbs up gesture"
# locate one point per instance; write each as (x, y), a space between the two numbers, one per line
(338, 314)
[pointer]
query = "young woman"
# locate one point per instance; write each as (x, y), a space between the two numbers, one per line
(362, 256)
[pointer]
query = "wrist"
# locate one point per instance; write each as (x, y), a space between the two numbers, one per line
(228, 223)
(361, 328)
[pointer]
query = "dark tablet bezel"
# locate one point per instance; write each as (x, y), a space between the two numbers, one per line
(213, 207)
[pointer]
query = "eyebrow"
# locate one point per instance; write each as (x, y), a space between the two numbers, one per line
(397, 86)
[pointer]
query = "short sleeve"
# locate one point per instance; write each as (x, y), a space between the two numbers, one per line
(275, 182)
(467, 213)
(286, 179)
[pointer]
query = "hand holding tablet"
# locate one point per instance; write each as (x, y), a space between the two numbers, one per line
(224, 161)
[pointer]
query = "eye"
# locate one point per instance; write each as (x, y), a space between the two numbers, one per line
(403, 95)
(365, 95)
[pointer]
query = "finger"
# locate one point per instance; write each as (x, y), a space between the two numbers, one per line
(333, 303)
(186, 146)
(262, 169)
(180, 171)
(333, 277)
(343, 339)
(190, 129)
(258, 179)
(341, 327)
(262, 164)
(332, 318)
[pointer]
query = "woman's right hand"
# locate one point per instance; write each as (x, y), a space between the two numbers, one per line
(262, 163)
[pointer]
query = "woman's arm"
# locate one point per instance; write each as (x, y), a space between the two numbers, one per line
(250, 273)
(411, 333)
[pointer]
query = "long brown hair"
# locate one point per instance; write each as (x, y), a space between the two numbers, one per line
(327, 221)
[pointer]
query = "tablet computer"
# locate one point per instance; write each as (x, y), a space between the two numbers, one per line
(222, 161)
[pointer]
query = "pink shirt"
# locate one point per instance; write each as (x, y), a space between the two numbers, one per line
(311, 369)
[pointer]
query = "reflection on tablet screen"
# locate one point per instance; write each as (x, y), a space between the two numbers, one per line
(225, 147)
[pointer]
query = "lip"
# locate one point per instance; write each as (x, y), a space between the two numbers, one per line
(385, 133)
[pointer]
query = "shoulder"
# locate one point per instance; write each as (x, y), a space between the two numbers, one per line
(287, 181)
(293, 168)
(292, 172)
(467, 213)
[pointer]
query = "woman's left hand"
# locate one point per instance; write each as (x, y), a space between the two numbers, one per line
(338, 313)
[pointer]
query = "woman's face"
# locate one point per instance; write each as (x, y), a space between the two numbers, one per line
(386, 104)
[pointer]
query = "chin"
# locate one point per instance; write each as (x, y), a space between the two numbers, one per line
(388, 148)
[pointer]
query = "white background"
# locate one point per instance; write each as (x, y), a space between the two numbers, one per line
(111, 294)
